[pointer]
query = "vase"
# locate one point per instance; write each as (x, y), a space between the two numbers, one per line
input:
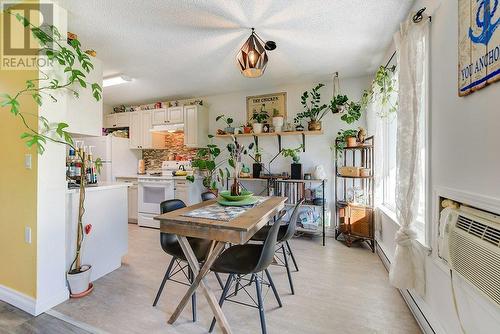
(314, 125)
(296, 171)
(79, 281)
(278, 123)
(257, 127)
(351, 142)
(256, 169)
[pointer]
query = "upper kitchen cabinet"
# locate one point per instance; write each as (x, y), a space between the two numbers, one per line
(139, 130)
(84, 114)
(195, 126)
(117, 120)
(173, 115)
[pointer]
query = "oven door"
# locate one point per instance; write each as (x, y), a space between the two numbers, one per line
(152, 193)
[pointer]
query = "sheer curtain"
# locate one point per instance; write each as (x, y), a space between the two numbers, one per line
(407, 269)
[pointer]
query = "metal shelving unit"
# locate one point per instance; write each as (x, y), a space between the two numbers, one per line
(353, 220)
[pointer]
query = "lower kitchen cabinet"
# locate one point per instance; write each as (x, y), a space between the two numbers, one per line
(132, 198)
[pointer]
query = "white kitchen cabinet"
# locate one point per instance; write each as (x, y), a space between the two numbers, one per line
(195, 126)
(118, 120)
(146, 125)
(159, 116)
(187, 191)
(84, 113)
(139, 129)
(132, 198)
(175, 115)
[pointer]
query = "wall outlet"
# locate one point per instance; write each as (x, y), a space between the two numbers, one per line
(27, 234)
(27, 161)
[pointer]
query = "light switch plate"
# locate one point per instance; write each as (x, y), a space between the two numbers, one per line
(27, 161)
(27, 234)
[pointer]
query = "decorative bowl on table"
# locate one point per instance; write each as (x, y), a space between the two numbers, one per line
(226, 194)
(244, 202)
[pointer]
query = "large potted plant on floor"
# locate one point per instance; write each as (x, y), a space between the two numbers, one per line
(296, 166)
(53, 46)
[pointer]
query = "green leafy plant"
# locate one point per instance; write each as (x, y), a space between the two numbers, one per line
(292, 153)
(228, 120)
(44, 86)
(260, 116)
(236, 153)
(383, 92)
(206, 162)
(276, 112)
(340, 140)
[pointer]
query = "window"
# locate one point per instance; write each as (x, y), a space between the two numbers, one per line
(388, 153)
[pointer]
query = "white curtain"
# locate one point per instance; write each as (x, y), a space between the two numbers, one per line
(407, 269)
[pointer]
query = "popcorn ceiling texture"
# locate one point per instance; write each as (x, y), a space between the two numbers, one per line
(175, 144)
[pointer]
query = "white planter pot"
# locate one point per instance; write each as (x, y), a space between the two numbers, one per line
(79, 282)
(257, 127)
(278, 123)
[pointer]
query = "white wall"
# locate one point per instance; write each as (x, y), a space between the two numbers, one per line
(317, 147)
(464, 156)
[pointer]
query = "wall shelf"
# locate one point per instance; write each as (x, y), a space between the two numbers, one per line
(276, 134)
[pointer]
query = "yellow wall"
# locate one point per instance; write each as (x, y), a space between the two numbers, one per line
(18, 191)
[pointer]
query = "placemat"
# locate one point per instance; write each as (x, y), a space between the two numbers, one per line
(220, 212)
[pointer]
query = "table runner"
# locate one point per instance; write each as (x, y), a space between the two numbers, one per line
(217, 211)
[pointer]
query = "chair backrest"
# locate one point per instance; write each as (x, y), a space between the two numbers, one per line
(207, 196)
(169, 241)
(269, 247)
(292, 223)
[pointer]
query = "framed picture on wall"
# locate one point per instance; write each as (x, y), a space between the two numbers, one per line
(478, 44)
(268, 103)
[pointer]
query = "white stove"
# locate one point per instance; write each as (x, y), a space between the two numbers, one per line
(154, 188)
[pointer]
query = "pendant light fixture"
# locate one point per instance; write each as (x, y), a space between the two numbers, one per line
(252, 57)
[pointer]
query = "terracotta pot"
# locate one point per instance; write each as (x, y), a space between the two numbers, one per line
(247, 129)
(314, 126)
(351, 141)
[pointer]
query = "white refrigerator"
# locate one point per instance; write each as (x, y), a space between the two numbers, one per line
(117, 157)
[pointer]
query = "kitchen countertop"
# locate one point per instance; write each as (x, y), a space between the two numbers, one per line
(100, 187)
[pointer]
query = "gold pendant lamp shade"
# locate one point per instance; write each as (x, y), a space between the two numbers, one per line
(252, 57)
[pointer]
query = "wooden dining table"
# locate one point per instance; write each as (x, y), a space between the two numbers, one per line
(235, 231)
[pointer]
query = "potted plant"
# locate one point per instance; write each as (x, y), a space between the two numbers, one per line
(247, 128)
(383, 91)
(205, 162)
(68, 57)
(229, 129)
(277, 120)
(345, 138)
(296, 166)
(314, 111)
(257, 165)
(259, 117)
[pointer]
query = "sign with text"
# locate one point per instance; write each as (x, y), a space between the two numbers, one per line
(267, 103)
(478, 44)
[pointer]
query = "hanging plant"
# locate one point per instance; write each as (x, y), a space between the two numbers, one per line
(383, 92)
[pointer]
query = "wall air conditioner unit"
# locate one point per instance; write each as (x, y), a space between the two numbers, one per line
(473, 241)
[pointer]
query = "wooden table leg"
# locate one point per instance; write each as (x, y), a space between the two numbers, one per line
(199, 280)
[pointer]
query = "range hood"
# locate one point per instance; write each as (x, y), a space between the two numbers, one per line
(168, 128)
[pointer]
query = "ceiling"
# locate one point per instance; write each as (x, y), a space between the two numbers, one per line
(175, 49)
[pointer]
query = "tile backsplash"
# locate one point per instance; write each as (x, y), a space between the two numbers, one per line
(175, 144)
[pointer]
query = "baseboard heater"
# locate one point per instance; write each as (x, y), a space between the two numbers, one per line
(417, 312)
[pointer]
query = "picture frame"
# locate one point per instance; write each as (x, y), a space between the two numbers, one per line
(270, 102)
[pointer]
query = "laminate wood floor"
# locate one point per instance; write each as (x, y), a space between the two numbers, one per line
(338, 290)
(15, 321)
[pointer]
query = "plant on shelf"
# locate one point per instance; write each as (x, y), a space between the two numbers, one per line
(383, 92)
(247, 128)
(296, 166)
(236, 152)
(229, 129)
(260, 117)
(278, 120)
(345, 138)
(47, 86)
(206, 162)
